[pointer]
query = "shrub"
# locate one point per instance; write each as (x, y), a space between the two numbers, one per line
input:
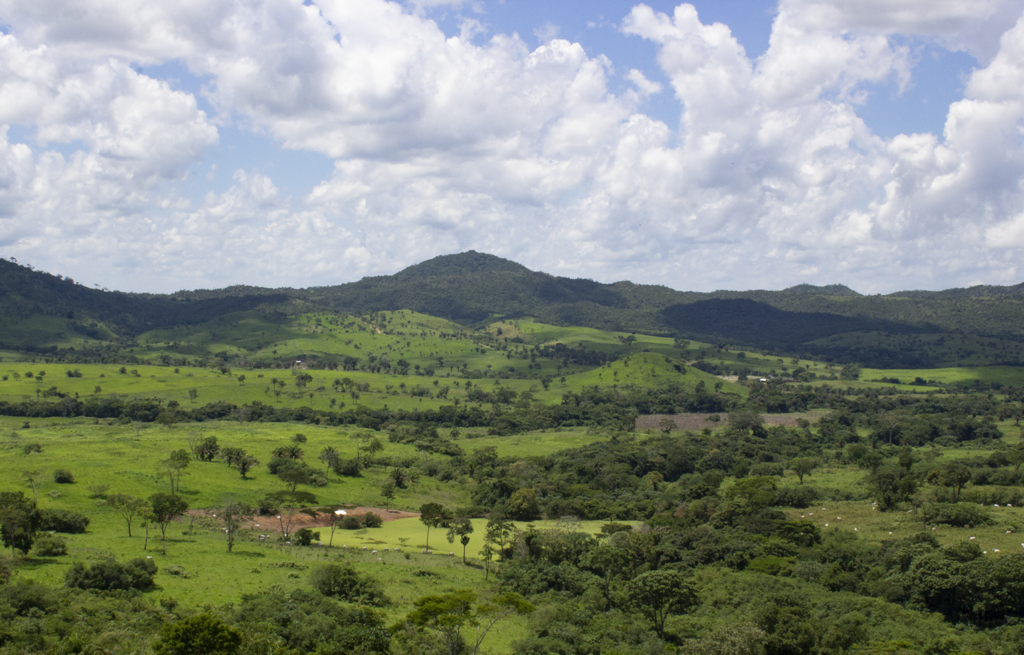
(32, 448)
(305, 537)
(798, 497)
(371, 520)
(767, 468)
(299, 438)
(62, 520)
(50, 545)
(202, 634)
(135, 574)
(63, 476)
(351, 523)
(960, 515)
(344, 582)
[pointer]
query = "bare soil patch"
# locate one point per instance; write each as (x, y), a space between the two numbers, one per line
(700, 421)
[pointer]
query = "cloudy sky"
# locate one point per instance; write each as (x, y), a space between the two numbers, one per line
(735, 144)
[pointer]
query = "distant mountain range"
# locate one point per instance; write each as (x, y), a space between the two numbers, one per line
(474, 289)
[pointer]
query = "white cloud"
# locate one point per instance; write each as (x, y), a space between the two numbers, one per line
(443, 145)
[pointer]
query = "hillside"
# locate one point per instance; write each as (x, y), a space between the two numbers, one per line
(41, 311)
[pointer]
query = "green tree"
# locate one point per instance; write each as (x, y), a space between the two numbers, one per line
(246, 463)
(294, 473)
(207, 449)
(461, 528)
(202, 634)
(166, 508)
(19, 520)
(129, 507)
(523, 505)
(803, 466)
(954, 475)
(447, 621)
(174, 466)
(329, 456)
(659, 594)
(234, 516)
(500, 531)
(387, 492)
(192, 394)
(434, 515)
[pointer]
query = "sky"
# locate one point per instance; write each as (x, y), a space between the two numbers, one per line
(723, 144)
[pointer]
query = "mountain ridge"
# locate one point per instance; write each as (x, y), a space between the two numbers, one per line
(475, 288)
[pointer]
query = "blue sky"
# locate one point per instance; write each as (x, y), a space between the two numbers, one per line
(728, 144)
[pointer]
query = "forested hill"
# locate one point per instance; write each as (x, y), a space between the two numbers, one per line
(475, 289)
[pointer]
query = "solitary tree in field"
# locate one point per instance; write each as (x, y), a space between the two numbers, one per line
(174, 466)
(34, 479)
(803, 466)
(192, 394)
(129, 507)
(434, 515)
(461, 527)
(166, 508)
(387, 492)
(234, 517)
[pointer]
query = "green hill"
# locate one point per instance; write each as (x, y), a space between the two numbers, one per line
(44, 313)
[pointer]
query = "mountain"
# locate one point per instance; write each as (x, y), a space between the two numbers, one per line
(474, 289)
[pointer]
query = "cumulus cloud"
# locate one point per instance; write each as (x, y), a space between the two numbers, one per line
(442, 144)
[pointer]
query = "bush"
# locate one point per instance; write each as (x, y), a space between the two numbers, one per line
(351, 523)
(50, 545)
(63, 476)
(343, 582)
(960, 515)
(767, 468)
(108, 575)
(299, 438)
(305, 537)
(202, 634)
(798, 497)
(62, 520)
(371, 520)
(32, 448)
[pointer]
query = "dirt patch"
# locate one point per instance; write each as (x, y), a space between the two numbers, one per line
(300, 521)
(700, 421)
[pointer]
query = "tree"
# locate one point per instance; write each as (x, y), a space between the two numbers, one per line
(35, 480)
(955, 475)
(667, 424)
(19, 520)
(523, 505)
(434, 515)
(444, 619)
(659, 594)
(192, 394)
(174, 466)
(461, 527)
(289, 505)
(166, 508)
(387, 492)
(329, 456)
(207, 449)
(128, 507)
(246, 463)
(294, 473)
(234, 517)
(202, 634)
(803, 466)
(500, 531)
